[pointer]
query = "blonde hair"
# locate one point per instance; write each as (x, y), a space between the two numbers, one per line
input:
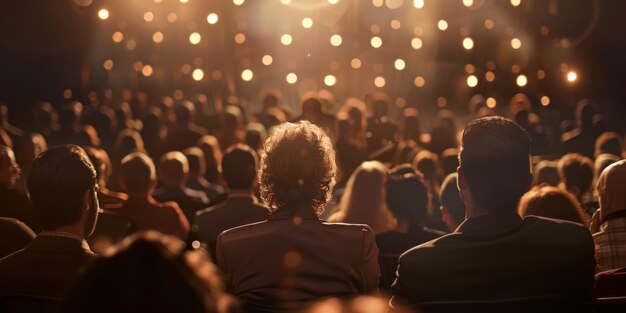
(363, 201)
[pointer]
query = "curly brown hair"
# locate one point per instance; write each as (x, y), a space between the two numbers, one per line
(297, 168)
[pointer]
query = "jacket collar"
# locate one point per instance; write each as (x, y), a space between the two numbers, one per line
(58, 244)
(489, 222)
(294, 213)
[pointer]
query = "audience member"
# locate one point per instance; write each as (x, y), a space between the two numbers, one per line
(196, 180)
(608, 142)
(577, 172)
(547, 173)
(14, 236)
(239, 168)
(452, 205)
(26, 152)
(63, 191)
(212, 156)
(363, 201)
(583, 138)
(381, 130)
(293, 258)
(101, 162)
(150, 272)
(185, 133)
(610, 220)
(549, 257)
(173, 173)
(552, 202)
(138, 180)
(231, 129)
(14, 202)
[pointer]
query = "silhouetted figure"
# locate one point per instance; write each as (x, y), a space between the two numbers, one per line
(381, 130)
(70, 118)
(14, 203)
(154, 133)
(104, 169)
(582, 139)
(231, 128)
(196, 180)
(14, 236)
(185, 133)
(312, 112)
(212, 156)
(609, 142)
(552, 202)
(452, 205)
(546, 173)
(577, 173)
(272, 107)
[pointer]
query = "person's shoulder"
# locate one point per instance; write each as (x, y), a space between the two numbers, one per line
(551, 223)
(244, 231)
(347, 227)
(431, 247)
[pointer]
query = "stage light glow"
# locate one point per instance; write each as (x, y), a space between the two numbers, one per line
(185, 69)
(491, 102)
(286, 39)
(108, 64)
(376, 42)
(267, 59)
(418, 4)
(291, 78)
(83, 3)
(516, 43)
(330, 80)
(469, 68)
(379, 82)
(184, 1)
(355, 63)
(238, 2)
(333, 1)
(399, 64)
(148, 16)
(521, 80)
(572, 76)
(377, 3)
(197, 74)
(541, 74)
(472, 81)
(247, 75)
(442, 25)
(468, 3)
(489, 24)
(117, 37)
(335, 40)
(103, 14)
(285, 2)
(394, 4)
(395, 24)
(195, 38)
(468, 43)
(442, 102)
(157, 37)
(419, 81)
(516, 2)
(490, 76)
(307, 22)
(172, 17)
(545, 101)
(212, 18)
(240, 38)
(416, 43)
(147, 70)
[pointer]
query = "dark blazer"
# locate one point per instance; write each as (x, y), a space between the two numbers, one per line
(47, 267)
(189, 200)
(235, 211)
(499, 256)
(281, 264)
(14, 236)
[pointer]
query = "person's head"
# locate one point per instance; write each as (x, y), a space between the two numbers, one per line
(311, 104)
(609, 142)
(212, 155)
(450, 160)
(603, 161)
(9, 170)
(452, 205)
(426, 163)
(407, 198)
(232, 119)
(70, 115)
(255, 135)
(494, 165)
(611, 189)
(271, 99)
(184, 112)
(298, 168)
(585, 113)
(576, 172)
(137, 174)
(128, 140)
(62, 188)
(101, 162)
(412, 125)
(31, 146)
(546, 172)
(239, 167)
(552, 202)
(364, 199)
(173, 169)
(150, 272)
(195, 157)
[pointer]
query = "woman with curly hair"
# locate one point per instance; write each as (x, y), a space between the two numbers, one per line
(281, 264)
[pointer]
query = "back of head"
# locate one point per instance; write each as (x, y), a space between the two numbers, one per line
(57, 184)
(450, 160)
(552, 202)
(407, 198)
(195, 157)
(173, 168)
(137, 173)
(128, 140)
(150, 272)
(451, 198)
(576, 172)
(101, 162)
(546, 172)
(495, 162)
(239, 166)
(298, 167)
(311, 104)
(184, 112)
(271, 99)
(609, 142)
(585, 112)
(426, 163)
(603, 161)
(611, 189)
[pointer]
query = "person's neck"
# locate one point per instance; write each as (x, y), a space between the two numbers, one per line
(75, 229)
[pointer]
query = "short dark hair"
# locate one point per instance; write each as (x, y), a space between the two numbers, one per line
(495, 162)
(407, 197)
(239, 166)
(195, 158)
(609, 142)
(576, 170)
(137, 171)
(58, 181)
(451, 198)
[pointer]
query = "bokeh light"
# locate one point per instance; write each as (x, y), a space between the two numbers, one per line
(376, 42)
(491, 102)
(442, 25)
(399, 64)
(307, 22)
(472, 81)
(247, 75)
(195, 38)
(379, 82)
(516, 43)
(335, 40)
(267, 59)
(572, 76)
(197, 74)
(103, 14)
(545, 101)
(521, 80)
(468, 43)
(291, 78)
(212, 18)
(330, 80)
(286, 39)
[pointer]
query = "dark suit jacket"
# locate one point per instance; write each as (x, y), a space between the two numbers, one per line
(499, 256)
(235, 211)
(14, 236)
(189, 200)
(281, 264)
(47, 267)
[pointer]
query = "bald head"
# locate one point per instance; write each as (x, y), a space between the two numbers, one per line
(611, 188)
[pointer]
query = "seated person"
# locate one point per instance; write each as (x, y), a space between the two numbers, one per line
(577, 172)
(173, 172)
(552, 202)
(282, 264)
(239, 168)
(495, 254)
(14, 202)
(63, 191)
(196, 180)
(452, 205)
(150, 272)
(14, 236)
(138, 179)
